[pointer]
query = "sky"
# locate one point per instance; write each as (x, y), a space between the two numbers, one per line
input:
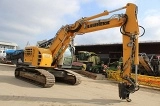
(29, 21)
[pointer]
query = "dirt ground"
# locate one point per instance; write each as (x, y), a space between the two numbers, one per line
(14, 92)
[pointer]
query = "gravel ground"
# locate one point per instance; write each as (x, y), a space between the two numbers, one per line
(14, 92)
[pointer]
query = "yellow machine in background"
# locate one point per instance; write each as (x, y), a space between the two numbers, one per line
(40, 64)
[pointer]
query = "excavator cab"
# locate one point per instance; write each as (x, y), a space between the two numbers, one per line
(67, 59)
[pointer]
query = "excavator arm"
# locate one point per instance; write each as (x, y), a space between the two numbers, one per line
(130, 32)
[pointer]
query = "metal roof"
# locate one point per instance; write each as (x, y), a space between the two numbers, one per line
(8, 43)
(157, 41)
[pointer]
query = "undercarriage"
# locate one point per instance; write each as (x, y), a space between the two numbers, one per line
(46, 77)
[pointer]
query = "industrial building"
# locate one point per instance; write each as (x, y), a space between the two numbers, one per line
(114, 50)
(5, 46)
(8, 45)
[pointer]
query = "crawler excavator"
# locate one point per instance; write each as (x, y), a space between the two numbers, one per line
(40, 64)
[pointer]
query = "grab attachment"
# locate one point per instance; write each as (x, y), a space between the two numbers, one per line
(125, 88)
